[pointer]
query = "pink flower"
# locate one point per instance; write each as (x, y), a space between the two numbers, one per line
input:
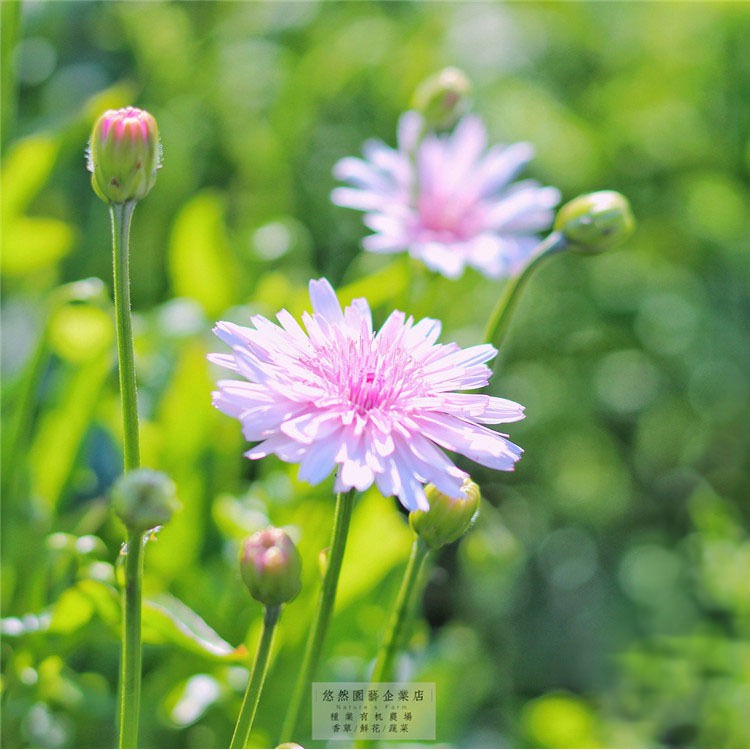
(446, 200)
(378, 406)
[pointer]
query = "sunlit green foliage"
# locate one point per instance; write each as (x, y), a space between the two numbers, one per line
(602, 598)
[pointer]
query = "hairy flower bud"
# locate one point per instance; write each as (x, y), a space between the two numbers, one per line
(270, 567)
(448, 518)
(144, 499)
(443, 98)
(595, 222)
(123, 155)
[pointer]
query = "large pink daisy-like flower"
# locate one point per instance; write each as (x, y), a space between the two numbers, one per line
(447, 200)
(378, 406)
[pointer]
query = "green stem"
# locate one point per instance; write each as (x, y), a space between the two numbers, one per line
(497, 325)
(397, 625)
(130, 664)
(257, 678)
(130, 669)
(121, 215)
(400, 616)
(342, 517)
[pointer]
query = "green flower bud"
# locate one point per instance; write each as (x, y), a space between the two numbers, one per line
(595, 222)
(443, 98)
(448, 518)
(144, 499)
(123, 155)
(270, 567)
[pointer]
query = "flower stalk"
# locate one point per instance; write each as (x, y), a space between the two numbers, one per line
(589, 224)
(314, 647)
(123, 156)
(383, 669)
(143, 499)
(121, 216)
(130, 662)
(130, 669)
(257, 678)
(499, 320)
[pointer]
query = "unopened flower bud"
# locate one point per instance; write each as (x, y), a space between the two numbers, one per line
(144, 499)
(123, 155)
(443, 98)
(270, 567)
(448, 518)
(595, 222)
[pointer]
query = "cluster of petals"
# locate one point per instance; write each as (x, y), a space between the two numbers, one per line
(447, 199)
(376, 406)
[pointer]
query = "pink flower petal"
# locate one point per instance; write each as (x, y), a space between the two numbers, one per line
(448, 200)
(373, 405)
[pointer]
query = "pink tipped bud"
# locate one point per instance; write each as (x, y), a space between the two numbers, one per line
(448, 518)
(123, 155)
(270, 567)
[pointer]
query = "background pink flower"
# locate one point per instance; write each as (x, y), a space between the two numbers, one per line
(377, 406)
(447, 200)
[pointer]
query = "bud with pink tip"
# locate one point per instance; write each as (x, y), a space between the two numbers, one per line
(270, 567)
(124, 154)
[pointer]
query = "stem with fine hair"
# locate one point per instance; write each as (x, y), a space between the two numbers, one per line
(257, 678)
(397, 625)
(121, 215)
(130, 665)
(497, 325)
(400, 615)
(342, 517)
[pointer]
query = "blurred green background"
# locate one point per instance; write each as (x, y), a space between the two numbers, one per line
(603, 598)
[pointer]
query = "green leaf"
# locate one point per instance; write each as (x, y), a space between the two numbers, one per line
(104, 598)
(381, 287)
(71, 612)
(199, 258)
(79, 333)
(379, 539)
(31, 244)
(78, 604)
(168, 620)
(26, 167)
(187, 424)
(56, 446)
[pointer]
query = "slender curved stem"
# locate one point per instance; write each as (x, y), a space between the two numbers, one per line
(497, 325)
(399, 620)
(130, 664)
(342, 517)
(121, 215)
(382, 671)
(257, 678)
